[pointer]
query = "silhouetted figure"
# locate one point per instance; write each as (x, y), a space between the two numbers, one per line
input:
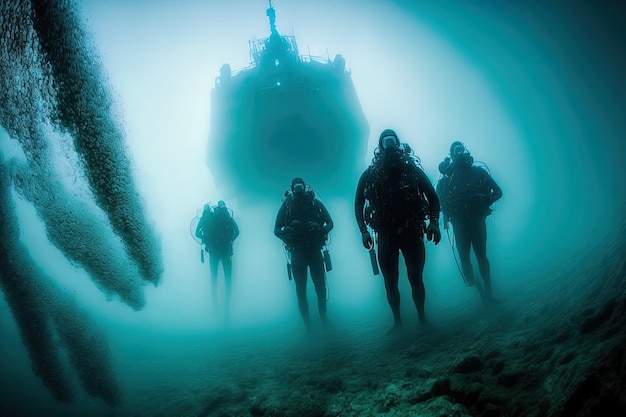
(303, 224)
(218, 230)
(467, 191)
(395, 197)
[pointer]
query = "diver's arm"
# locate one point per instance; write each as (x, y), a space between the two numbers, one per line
(280, 221)
(496, 191)
(200, 227)
(433, 201)
(235, 229)
(441, 193)
(359, 201)
(328, 221)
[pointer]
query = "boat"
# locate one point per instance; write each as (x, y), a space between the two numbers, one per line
(285, 115)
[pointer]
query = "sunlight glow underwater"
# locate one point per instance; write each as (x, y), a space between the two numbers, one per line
(524, 71)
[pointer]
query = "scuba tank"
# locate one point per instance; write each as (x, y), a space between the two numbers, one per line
(289, 274)
(327, 263)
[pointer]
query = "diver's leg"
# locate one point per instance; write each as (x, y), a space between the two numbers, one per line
(388, 254)
(318, 275)
(463, 246)
(479, 243)
(214, 261)
(415, 255)
(299, 271)
(227, 264)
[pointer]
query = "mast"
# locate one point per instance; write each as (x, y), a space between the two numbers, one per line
(271, 13)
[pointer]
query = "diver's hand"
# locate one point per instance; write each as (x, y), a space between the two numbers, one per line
(313, 227)
(368, 243)
(482, 198)
(433, 233)
(295, 224)
(286, 232)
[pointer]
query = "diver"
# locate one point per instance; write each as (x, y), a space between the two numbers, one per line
(395, 197)
(467, 192)
(303, 224)
(218, 230)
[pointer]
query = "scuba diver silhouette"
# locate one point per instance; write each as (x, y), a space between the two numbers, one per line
(467, 192)
(218, 230)
(395, 197)
(303, 224)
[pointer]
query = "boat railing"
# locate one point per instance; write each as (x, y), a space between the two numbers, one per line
(312, 58)
(300, 58)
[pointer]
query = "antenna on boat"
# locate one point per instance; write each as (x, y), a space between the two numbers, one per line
(271, 13)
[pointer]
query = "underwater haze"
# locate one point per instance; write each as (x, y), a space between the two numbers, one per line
(107, 308)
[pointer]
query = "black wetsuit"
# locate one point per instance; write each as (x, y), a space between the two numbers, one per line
(467, 193)
(303, 222)
(393, 238)
(218, 232)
